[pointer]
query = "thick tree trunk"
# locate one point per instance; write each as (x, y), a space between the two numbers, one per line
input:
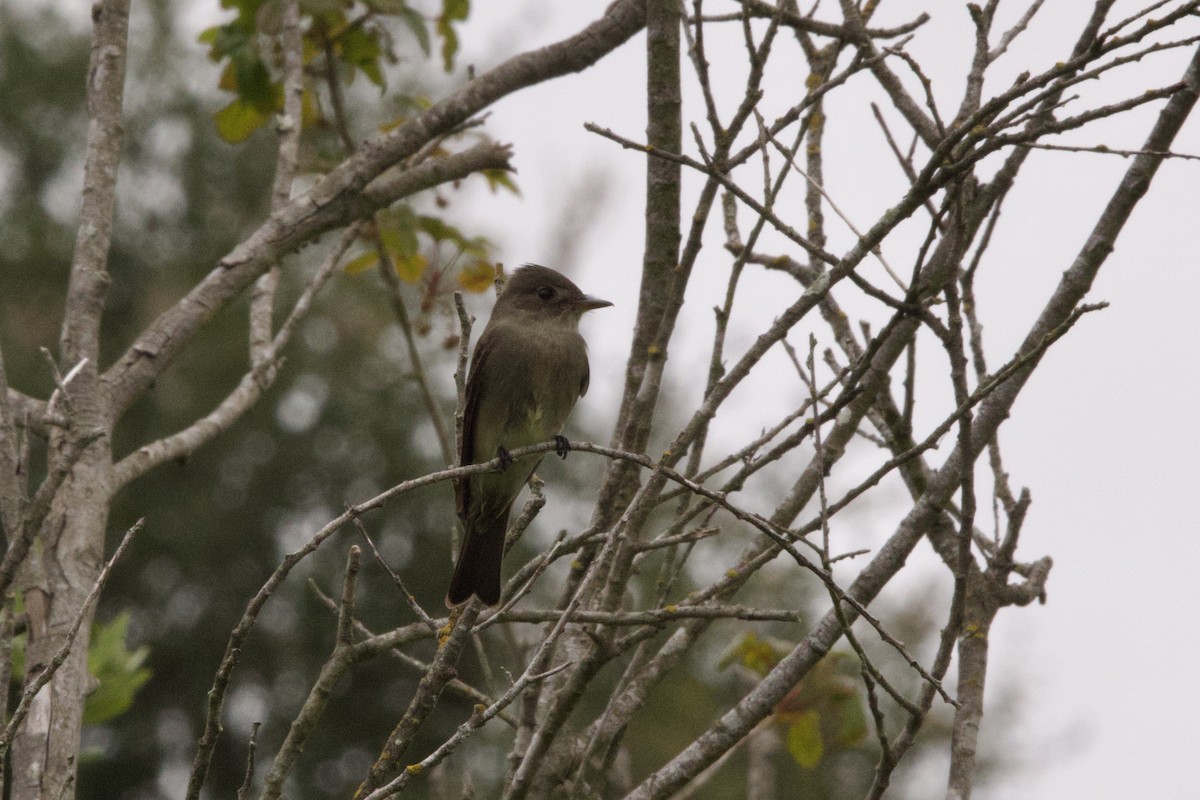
(64, 564)
(56, 585)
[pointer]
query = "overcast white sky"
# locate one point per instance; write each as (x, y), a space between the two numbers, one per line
(1106, 435)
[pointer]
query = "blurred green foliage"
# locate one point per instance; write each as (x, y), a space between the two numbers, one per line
(118, 671)
(823, 712)
(352, 37)
(341, 423)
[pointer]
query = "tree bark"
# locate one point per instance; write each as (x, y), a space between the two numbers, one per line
(57, 580)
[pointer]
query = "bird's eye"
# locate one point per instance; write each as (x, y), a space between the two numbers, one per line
(545, 292)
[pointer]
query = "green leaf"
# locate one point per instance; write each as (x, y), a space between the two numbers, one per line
(209, 36)
(323, 6)
(398, 226)
(804, 739)
(310, 109)
(236, 121)
(452, 11)
(246, 8)
(851, 721)
(438, 230)
(118, 669)
(400, 241)
(449, 44)
(501, 179)
(755, 654)
(416, 23)
(456, 9)
(360, 48)
(441, 231)
(223, 40)
(254, 81)
(361, 263)
(388, 6)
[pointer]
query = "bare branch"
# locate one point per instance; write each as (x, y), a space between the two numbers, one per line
(738, 721)
(441, 671)
(759, 8)
(36, 681)
(1103, 149)
(387, 271)
(1016, 30)
(251, 746)
(262, 299)
(248, 391)
(30, 413)
(35, 510)
(340, 660)
(921, 124)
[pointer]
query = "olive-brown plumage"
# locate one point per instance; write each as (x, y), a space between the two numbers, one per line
(529, 367)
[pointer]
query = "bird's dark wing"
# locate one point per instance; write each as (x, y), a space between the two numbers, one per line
(466, 453)
(587, 376)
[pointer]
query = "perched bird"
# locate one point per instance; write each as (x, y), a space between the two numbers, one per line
(529, 367)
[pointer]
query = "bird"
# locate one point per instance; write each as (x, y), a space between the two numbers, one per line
(529, 368)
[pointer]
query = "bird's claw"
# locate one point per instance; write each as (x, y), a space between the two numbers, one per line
(506, 459)
(562, 446)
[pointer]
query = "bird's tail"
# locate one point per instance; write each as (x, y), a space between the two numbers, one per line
(477, 571)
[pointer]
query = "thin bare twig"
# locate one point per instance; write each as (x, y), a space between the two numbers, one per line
(248, 781)
(35, 683)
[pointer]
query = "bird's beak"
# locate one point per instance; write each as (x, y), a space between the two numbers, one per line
(589, 303)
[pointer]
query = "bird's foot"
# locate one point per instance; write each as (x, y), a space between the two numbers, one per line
(562, 446)
(506, 460)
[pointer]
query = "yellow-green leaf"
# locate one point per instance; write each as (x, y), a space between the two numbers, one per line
(228, 80)
(438, 229)
(477, 277)
(330, 7)
(500, 179)
(755, 654)
(392, 124)
(456, 9)
(804, 741)
(209, 35)
(361, 263)
(411, 268)
(452, 11)
(387, 6)
(851, 721)
(310, 109)
(310, 50)
(445, 29)
(236, 121)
